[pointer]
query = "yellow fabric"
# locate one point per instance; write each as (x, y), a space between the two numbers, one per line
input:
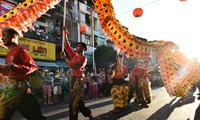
(120, 96)
(11, 95)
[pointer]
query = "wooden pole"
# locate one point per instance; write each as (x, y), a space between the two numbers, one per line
(64, 17)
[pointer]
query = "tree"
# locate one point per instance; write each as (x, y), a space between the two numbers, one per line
(130, 62)
(104, 56)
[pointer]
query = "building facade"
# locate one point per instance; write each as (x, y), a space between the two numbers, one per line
(81, 21)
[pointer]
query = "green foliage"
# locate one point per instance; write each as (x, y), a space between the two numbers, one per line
(129, 62)
(104, 56)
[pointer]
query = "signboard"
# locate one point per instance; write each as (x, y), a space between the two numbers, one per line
(5, 7)
(39, 50)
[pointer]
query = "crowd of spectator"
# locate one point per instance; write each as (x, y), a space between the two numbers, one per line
(53, 85)
(98, 85)
(41, 34)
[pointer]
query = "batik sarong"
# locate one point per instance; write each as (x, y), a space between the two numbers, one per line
(11, 93)
(76, 92)
(145, 85)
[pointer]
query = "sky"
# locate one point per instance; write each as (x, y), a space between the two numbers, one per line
(169, 20)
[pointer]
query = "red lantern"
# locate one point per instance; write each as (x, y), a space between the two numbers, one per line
(138, 12)
(83, 29)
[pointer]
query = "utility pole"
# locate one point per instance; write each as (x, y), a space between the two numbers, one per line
(79, 22)
(92, 34)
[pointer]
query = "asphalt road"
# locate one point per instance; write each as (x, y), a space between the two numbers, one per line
(163, 107)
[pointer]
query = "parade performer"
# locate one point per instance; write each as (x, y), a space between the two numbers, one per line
(146, 81)
(77, 63)
(19, 65)
(138, 77)
(120, 90)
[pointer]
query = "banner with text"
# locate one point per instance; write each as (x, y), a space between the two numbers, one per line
(39, 50)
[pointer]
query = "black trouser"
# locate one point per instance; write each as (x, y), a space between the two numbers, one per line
(106, 89)
(83, 109)
(29, 108)
(117, 81)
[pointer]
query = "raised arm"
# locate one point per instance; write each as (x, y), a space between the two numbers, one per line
(68, 48)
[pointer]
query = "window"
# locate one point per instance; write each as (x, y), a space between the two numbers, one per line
(87, 40)
(82, 17)
(95, 41)
(95, 23)
(101, 43)
(57, 23)
(88, 19)
(88, 9)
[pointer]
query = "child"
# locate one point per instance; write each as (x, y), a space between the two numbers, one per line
(94, 88)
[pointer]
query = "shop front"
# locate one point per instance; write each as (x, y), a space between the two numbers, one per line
(42, 52)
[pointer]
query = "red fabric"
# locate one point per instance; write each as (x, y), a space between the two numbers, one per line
(138, 71)
(118, 74)
(77, 63)
(24, 63)
(94, 90)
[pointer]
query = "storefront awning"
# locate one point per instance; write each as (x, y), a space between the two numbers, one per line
(2, 61)
(62, 64)
(43, 63)
(46, 64)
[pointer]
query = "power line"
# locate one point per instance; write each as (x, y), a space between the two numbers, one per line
(140, 6)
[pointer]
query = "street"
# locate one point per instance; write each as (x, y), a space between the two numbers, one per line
(163, 107)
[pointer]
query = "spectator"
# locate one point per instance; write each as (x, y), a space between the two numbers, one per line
(94, 88)
(46, 87)
(107, 86)
(64, 85)
(100, 78)
(87, 83)
(57, 85)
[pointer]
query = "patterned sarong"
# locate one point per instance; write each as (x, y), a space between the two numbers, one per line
(11, 93)
(76, 92)
(145, 85)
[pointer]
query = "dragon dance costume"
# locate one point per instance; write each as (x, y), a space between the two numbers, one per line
(120, 91)
(13, 87)
(77, 84)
